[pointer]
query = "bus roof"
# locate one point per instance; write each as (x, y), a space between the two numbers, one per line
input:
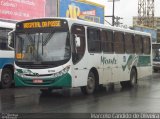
(92, 24)
(72, 21)
(7, 25)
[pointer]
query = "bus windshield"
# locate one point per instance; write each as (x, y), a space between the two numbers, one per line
(156, 52)
(156, 56)
(42, 47)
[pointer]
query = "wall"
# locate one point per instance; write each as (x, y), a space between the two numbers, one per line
(153, 32)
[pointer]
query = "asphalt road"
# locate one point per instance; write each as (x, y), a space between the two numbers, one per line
(144, 98)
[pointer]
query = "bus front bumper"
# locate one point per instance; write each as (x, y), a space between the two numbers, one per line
(62, 81)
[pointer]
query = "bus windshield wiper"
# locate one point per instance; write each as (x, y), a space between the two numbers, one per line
(30, 38)
(47, 38)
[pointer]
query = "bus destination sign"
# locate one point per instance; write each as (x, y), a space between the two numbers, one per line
(42, 24)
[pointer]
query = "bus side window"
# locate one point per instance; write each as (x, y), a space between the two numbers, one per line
(4, 38)
(138, 44)
(107, 38)
(94, 42)
(3, 44)
(146, 45)
(78, 52)
(118, 42)
(129, 46)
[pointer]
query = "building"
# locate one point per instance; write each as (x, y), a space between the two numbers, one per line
(156, 26)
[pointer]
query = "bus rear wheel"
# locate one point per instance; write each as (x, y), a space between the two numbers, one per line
(6, 78)
(91, 84)
(133, 80)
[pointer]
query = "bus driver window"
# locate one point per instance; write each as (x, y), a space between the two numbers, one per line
(78, 34)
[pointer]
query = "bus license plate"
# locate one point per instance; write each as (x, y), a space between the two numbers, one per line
(37, 81)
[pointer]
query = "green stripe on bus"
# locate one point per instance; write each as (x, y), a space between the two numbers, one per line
(62, 81)
(144, 61)
(138, 61)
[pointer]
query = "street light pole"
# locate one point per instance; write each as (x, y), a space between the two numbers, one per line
(113, 15)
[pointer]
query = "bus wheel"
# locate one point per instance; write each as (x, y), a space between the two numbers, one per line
(91, 84)
(6, 78)
(132, 82)
(133, 78)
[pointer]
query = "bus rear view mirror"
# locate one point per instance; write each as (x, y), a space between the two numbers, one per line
(78, 41)
(11, 40)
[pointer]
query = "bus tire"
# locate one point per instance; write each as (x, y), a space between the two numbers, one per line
(6, 78)
(91, 84)
(133, 78)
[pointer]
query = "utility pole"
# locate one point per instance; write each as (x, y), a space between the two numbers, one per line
(113, 16)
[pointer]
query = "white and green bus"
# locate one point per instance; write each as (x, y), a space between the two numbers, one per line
(59, 52)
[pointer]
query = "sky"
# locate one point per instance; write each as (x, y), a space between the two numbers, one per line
(125, 9)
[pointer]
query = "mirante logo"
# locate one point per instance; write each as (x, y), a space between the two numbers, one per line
(104, 60)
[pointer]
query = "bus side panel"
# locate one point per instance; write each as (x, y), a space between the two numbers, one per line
(107, 64)
(118, 71)
(6, 58)
(144, 72)
(80, 72)
(79, 77)
(144, 66)
(82, 68)
(124, 63)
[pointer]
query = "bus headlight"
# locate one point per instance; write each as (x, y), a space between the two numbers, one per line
(19, 74)
(62, 72)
